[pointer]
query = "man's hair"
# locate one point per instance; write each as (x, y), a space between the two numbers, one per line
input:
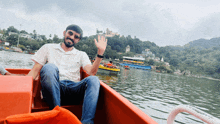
(75, 28)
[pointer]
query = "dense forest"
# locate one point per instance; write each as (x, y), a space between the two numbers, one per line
(199, 57)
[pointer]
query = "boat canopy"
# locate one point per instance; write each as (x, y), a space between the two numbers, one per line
(134, 58)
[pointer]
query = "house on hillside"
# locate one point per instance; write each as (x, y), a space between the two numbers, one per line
(127, 49)
(162, 59)
(110, 33)
(28, 36)
(148, 54)
(10, 33)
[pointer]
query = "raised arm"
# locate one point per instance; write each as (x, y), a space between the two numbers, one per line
(35, 70)
(101, 45)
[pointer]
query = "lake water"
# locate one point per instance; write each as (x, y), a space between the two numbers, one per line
(156, 94)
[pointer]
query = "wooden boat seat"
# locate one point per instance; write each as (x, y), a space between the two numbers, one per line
(15, 95)
(38, 104)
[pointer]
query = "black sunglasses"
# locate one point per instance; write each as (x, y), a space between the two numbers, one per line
(75, 36)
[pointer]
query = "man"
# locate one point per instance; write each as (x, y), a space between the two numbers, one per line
(59, 67)
(3, 71)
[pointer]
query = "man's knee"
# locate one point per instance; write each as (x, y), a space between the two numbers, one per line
(49, 66)
(49, 69)
(94, 80)
(49, 74)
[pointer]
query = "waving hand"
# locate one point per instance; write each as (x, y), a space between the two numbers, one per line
(101, 44)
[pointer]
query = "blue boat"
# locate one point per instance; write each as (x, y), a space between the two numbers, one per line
(135, 62)
(136, 66)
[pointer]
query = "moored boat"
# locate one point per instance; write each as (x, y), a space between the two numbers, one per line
(109, 68)
(126, 67)
(136, 66)
(112, 107)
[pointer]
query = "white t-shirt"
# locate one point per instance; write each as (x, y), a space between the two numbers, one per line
(68, 63)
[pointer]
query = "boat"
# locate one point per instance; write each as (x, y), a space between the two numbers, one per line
(21, 103)
(135, 62)
(136, 66)
(20, 96)
(126, 67)
(108, 70)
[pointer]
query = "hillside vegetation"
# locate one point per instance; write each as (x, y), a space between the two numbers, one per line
(199, 57)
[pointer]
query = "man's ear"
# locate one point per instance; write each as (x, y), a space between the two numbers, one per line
(64, 32)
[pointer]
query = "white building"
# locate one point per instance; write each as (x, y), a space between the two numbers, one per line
(127, 49)
(10, 33)
(162, 59)
(26, 36)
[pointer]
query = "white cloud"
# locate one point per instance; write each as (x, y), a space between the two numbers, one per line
(41, 16)
(187, 15)
(165, 23)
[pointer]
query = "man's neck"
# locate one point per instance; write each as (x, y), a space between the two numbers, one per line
(66, 49)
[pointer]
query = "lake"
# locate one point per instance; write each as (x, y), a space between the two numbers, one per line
(156, 94)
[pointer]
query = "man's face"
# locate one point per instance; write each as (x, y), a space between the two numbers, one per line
(71, 38)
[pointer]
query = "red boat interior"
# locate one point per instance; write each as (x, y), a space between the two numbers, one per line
(22, 95)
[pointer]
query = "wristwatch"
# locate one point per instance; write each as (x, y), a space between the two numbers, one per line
(100, 56)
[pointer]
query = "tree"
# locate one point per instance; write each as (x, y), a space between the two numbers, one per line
(22, 47)
(56, 39)
(12, 39)
(151, 62)
(34, 45)
(35, 34)
(23, 32)
(174, 62)
(12, 29)
(43, 37)
(97, 31)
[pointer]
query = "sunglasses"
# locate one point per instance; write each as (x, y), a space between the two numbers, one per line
(75, 36)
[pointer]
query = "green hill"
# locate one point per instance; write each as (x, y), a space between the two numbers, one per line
(204, 43)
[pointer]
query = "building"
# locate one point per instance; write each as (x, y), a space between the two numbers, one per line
(110, 33)
(167, 64)
(127, 49)
(162, 59)
(147, 53)
(157, 59)
(26, 36)
(10, 33)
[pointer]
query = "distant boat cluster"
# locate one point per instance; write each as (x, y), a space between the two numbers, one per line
(14, 49)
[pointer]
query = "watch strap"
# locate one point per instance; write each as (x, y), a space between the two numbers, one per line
(100, 56)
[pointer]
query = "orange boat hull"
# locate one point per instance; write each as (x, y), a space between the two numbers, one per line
(112, 107)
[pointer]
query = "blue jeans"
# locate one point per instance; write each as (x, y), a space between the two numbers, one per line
(56, 92)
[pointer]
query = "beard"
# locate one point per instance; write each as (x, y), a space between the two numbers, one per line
(67, 44)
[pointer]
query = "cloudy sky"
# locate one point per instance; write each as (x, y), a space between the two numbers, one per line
(164, 22)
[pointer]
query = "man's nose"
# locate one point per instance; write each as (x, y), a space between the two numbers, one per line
(72, 37)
